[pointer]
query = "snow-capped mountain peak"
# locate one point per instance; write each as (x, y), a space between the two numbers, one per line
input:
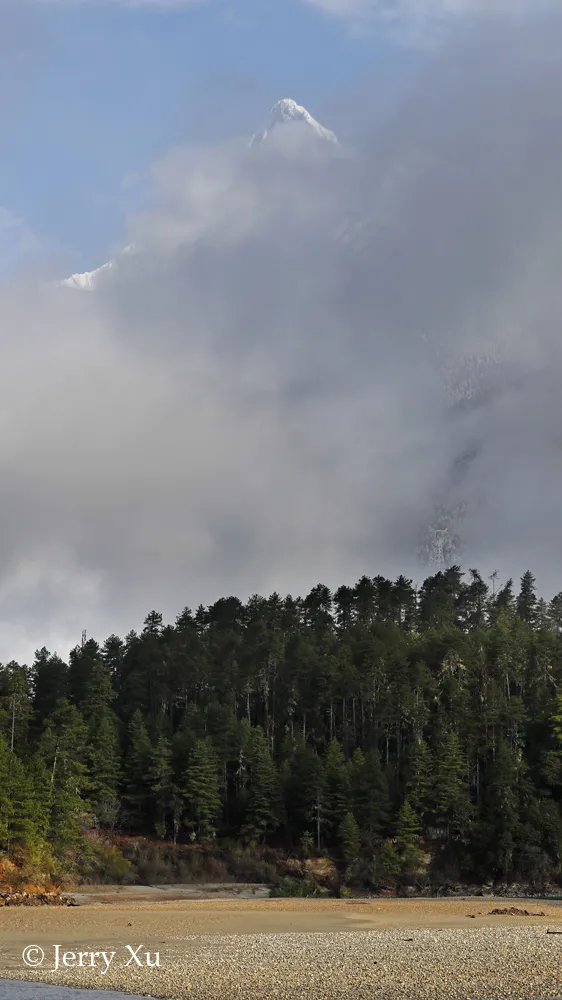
(89, 280)
(287, 111)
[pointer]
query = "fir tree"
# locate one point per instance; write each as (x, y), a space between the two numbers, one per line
(451, 792)
(350, 838)
(201, 790)
(105, 768)
(369, 793)
(527, 599)
(262, 789)
(63, 749)
(407, 839)
(136, 766)
(419, 785)
(337, 791)
(162, 788)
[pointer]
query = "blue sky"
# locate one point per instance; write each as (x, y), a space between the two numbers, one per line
(99, 90)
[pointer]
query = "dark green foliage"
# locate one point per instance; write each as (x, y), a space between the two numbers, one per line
(350, 838)
(368, 792)
(375, 723)
(136, 790)
(407, 840)
(451, 789)
(292, 887)
(63, 748)
(201, 790)
(420, 780)
(336, 789)
(261, 789)
(163, 794)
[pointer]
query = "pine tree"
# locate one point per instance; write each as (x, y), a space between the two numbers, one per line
(163, 791)
(105, 769)
(451, 791)
(63, 749)
(407, 839)
(407, 828)
(369, 795)
(4, 793)
(40, 781)
(527, 599)
(50, 684)
(25, 826)
(82, 662)
(419, 785)
(499, 822)
(15, 706)
(350, 838)
(304, 792)
(135, 770)
(201, 790)
(337, 791)
(262, 789)
(555, 613)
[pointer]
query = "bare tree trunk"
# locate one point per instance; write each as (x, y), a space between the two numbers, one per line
(477, 780)
(362, 721)
(13, 731)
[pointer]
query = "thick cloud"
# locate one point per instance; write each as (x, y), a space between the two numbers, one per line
(250, 403)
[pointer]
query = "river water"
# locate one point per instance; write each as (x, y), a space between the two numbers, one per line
(15, 990)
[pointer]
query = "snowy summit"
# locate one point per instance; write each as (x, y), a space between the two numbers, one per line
(284, 112)
(287, 111)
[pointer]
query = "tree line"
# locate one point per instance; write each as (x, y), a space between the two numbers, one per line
(365, 723)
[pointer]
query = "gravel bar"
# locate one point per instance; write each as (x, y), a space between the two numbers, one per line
(498, 963)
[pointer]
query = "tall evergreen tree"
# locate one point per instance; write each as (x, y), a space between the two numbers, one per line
(201, 790)
(163, 790)
(337, 790)
(262, 790)
(136, 767)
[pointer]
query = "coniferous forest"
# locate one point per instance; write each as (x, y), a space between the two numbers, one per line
(363, 725)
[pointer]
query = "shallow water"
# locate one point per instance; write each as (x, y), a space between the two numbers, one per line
(16, 990)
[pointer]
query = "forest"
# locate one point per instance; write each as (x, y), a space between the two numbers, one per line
(397, 730)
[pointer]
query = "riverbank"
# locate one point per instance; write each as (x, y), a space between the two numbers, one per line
(299, 949)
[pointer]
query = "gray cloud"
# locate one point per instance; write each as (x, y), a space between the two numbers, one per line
(252, 404)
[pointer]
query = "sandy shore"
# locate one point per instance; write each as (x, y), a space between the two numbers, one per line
(276, 949)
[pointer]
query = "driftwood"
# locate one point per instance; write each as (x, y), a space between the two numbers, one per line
(47, 898)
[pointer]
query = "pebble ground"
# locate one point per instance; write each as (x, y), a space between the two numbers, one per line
(491, 963)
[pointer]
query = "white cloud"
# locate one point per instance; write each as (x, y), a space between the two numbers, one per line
(251, 405)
